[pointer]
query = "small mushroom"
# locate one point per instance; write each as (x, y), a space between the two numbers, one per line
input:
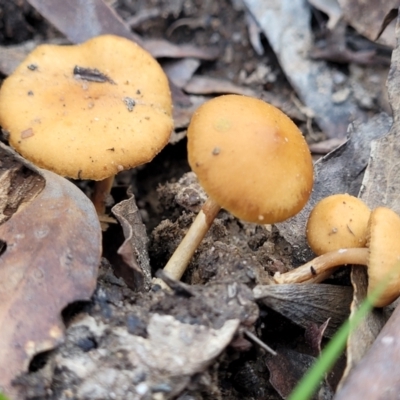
(251, 159)
(381, 256)
(336, 222)
(88, 111)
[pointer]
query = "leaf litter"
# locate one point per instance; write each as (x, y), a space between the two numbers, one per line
(38, 279)
(234, 256)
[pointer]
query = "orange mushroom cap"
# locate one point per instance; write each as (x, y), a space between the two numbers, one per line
(90, 110)
(337, 222)
(250, 158)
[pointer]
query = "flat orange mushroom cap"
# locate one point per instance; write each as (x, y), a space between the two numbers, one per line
(88, 111)
(250, 158)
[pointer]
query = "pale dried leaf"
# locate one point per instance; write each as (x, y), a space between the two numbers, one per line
(170, 354)
(286, 24)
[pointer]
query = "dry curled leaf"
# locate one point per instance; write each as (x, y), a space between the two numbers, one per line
(134, 249)
(53, 248)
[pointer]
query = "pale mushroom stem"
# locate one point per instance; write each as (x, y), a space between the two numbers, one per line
(177, 264)
(101, 190)
(321, 267)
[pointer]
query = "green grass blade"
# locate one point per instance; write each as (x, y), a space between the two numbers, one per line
(332, 351)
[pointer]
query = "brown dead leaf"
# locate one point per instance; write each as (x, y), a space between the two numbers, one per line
(314, 334)
(53, 248)
(134, 249)
(160, 48)
(368, 17)
(305, 304)
(18, 185)
(207, 85)
(287, 368)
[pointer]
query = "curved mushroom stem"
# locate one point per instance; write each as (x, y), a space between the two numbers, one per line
(177, 264)
(321, 267)
(101, 190)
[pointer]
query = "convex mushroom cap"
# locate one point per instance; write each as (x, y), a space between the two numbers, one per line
(250, 158)
(87, 111)
(337, 222)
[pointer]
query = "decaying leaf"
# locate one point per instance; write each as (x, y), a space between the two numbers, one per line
(53, 248)
(314, 334)
(287, 368)
(303, 304)
(369, 18)
(134, 249)
(376, 375)
(200, 84)
(18, 184)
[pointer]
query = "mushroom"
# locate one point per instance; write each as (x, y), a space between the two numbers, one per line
(336, 222)
(88, 111)
(251, 159)
(381, 256)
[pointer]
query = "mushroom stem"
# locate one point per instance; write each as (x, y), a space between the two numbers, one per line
(177, 264)
(101, 190)
(321, 267)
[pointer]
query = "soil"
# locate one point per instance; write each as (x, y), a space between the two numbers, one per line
(233, 258)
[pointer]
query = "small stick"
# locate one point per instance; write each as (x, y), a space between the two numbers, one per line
(255, 339)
